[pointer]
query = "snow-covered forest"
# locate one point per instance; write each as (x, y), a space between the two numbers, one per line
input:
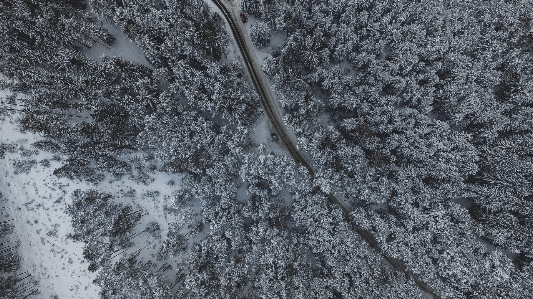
(137, 160)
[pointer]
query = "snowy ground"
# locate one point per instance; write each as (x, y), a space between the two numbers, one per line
(37, 199)
(122, 47)
(262, 135)
(36, 202)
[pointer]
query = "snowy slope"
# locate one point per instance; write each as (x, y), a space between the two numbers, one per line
(36, 201)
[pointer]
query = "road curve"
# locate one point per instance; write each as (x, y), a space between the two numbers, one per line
(267, 101)
(263, 90)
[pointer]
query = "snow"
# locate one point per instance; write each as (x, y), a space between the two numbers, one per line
(463, 201)
(78, 117)
(123, 47)
(151, 198)
(261, 134)
(35, 201)
(277, 40)
(243, 195)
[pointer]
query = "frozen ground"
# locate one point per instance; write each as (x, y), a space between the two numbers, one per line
(262, 135)
(122, 47)
(36, 200)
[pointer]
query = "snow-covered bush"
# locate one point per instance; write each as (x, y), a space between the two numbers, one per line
(260, 34)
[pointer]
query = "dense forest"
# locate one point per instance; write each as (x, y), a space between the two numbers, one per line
(425, 126)
(417, 113)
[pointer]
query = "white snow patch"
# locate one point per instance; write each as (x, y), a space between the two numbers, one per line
(123, 47)
(243, 195)
(35, 202)
(261, 134)
(3, 93)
